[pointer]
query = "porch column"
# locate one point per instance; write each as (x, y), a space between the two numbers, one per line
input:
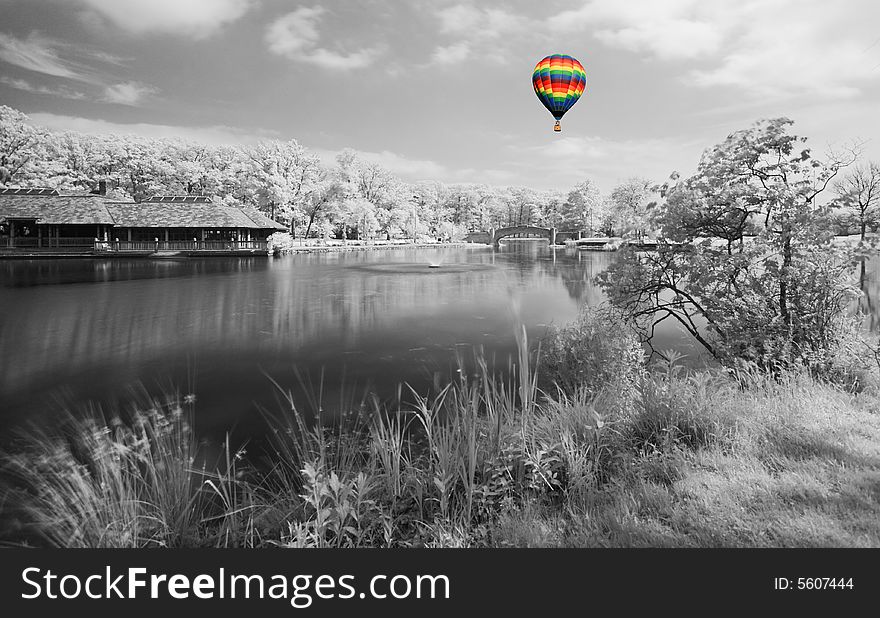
(166, 237)
(129, 234)
(40, 236)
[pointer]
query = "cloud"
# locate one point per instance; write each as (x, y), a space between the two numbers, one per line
(607, 161)
(668, 40)
(66, 61)
(296, 36)
(128, 93)
(451, 54)
(465, 19)
(196, 18)
(215, 135)
(668, 30)
(413, 169)
(416, 170)
(775, 48)
(23, 84)
(477, 31)
(39, 54)
(786, 54)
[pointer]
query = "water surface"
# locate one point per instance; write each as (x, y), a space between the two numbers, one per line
(74, 331)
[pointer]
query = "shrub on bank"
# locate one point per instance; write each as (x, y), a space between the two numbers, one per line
(593, 354)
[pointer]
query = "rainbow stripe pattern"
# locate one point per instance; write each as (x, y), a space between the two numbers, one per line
(559, 82)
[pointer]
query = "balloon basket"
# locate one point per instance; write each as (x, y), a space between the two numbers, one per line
(556, 127)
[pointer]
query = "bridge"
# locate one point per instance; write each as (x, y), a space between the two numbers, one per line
(493, 237)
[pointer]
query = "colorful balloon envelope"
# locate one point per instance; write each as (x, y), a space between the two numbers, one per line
(559, 82)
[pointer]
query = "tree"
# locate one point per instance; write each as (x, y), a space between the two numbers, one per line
(631, 202)
(319, 200)
(776, 298)
(283, 175)
(554, 209)
(23, 155)
(143, 170)
(582, 206)
(859, 194)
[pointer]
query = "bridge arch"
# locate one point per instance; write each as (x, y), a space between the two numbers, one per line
(543, 232)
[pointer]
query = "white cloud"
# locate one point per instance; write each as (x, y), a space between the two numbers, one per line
(467, 20)
(39, 54)
(669, 39)
(792, 53)
(451, 54)
(197, 18)
(23, 84)
(296, 36)
(459, 18)
(477, 31)
(669, 30)
(55, 59)
(413, 169)
(215, 135)
(127, 93)
(607, 161)
(777, 48)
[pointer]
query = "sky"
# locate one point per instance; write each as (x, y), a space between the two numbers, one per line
(441, 89)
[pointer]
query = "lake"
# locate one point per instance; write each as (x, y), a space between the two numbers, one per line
(326, 325)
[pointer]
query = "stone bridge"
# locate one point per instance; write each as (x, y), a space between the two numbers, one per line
(493, 237)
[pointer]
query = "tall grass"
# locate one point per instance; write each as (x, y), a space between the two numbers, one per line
(98, 481)
(655, 456)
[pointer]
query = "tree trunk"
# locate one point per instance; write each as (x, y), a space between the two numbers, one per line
(309, 226)
(783, 282)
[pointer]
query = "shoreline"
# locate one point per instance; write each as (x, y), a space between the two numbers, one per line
(176, 255)
(368, 247)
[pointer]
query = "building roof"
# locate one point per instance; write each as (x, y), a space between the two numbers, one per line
(55, 209)
(47, 207)
(261, 219)
(27, 191)
(184, 199)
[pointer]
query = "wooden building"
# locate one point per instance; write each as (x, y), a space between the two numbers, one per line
(43, 219)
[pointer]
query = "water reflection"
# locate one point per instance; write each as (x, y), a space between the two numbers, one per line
(869, 303)
(79, 330)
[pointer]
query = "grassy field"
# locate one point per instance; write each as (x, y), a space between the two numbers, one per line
(623, 456)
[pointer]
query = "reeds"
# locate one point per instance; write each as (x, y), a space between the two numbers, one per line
(489, 459)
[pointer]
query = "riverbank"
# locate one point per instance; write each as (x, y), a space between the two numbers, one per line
(178, 254)
(370, 246)
(643, 457)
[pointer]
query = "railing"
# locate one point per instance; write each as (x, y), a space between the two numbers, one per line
(90, 244)
(48, 244)
(184, 245)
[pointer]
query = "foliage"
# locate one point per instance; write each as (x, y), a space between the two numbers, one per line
(593, 353)
(107, 483)
(289, 183)
(696, 458)
(23, 156)
(776, 298)
(630, 205)
(584, 207)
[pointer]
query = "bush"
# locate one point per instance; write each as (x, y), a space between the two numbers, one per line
(676, 410)
(847, 358)
(594, 353)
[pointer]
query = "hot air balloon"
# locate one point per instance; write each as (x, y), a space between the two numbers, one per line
(559, 81)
